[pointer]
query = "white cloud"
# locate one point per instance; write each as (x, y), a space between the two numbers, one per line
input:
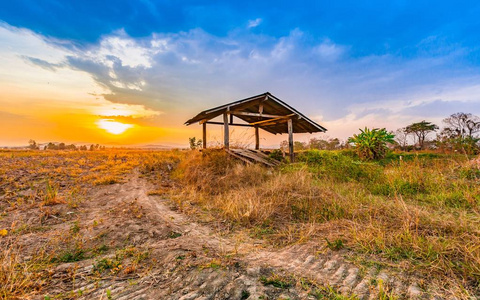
(34, 72)
(254, 23)
(182, 73)
(329, 50)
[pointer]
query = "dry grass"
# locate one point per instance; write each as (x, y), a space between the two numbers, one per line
(419, 213)
(21, 277)
(46, 200)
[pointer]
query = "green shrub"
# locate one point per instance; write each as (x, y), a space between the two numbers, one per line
(340, 166)
(371, 143)
(276, 155)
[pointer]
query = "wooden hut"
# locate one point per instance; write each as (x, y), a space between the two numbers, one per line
(263, 111)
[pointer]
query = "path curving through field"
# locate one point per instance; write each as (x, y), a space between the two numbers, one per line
(190, 261)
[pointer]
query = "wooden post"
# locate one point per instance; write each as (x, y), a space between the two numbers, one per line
(290, 140)
(226, 135)
(257, 139)
(204, 126)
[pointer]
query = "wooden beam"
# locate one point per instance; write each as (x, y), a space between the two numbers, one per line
(275, 122)
(257, 139)
(272, 120)
(231, 119)
(290, 140)
(238, 156)
(226, 134)
(250, 114)
(234, 124)
(204, 140)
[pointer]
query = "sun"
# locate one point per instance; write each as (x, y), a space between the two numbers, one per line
(113, 127)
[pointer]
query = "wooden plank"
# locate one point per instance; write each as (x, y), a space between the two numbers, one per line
(204, 135)
(234, 124)
(226, 134)
(290, 140)
(250, 156)
(238, 156)
(253, 156)
(272, 120)
(257, 138)
(250, 114)
(268, 158)
(274, 123)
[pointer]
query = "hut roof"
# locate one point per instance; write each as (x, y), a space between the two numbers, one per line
(264, 111)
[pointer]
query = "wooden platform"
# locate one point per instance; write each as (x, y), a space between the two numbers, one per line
(250, 156)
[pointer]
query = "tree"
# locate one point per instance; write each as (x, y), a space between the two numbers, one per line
(284, 146)
(316, 143)
(194, 144)
(334, 144)
(298, 146)
(371, 143)
(32, 145)
(421, 131)
(459, 134)
(52, 146)
(462, 125)
(401, 137)
(324, 144)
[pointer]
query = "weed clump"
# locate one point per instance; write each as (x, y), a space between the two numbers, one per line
(277, 280)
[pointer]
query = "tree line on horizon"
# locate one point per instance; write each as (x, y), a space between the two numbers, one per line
(460, 133)
(32, 144)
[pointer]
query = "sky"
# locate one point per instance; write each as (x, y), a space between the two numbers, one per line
(131, 72)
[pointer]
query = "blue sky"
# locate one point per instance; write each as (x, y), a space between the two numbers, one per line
(370, 27)
(347, 64)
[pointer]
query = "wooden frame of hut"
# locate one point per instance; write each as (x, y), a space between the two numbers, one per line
(263, 111)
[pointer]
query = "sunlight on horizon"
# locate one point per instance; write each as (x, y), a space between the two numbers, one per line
(113, 127)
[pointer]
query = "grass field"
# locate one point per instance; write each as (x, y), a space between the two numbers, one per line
(418, 213)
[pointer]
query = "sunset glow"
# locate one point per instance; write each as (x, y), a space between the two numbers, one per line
(133, 73)
(113, 127)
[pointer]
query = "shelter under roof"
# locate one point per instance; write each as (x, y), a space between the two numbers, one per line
(263, 111)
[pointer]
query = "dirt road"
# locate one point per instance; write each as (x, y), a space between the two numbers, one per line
(188, 260)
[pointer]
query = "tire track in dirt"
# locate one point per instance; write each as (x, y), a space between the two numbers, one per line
(301, 260)
(185, 268)
(193, 263)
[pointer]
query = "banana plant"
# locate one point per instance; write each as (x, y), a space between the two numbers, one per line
(371, 144)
